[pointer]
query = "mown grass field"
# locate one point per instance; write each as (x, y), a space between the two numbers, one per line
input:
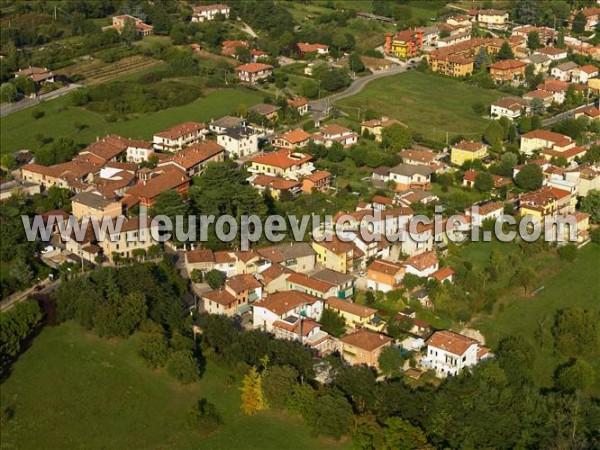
(18, 130)
(72, 389)
(430, 104)
(576, 284)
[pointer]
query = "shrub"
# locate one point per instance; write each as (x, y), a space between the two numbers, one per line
(204, 417)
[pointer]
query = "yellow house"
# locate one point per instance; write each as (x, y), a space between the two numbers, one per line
(336, 254)
(546, 201)
(452, 65)
(467, 151)
(356, 316)
(375, 127)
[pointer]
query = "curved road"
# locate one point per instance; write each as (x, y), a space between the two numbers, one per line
(356, 86)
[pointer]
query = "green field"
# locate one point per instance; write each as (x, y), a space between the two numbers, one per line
(72, 389)
(430, 104)
(19, 129)
(576, 284)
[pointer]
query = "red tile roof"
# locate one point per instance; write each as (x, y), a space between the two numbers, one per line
(253, 67)
(283, 159)
(366, 340)
(181, 130)
(281, 303)
(305, 281)
(422, 261)
(351, 308)
(451, 342)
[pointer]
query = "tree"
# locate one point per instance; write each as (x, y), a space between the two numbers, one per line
(8, 161)
(8, 92)
(309, 89)
(25, 85)
(537, 107)
(215, 278)
(132, 310)
(576, 332)
(356, 64)
(399, 434)
(391, 362)
(509, 160)
(484, 182)
(482, 60)
(505, 52)
(591, 205)
(526, 11)
(575, 375)
(21, 271)
(204, 417)
(525, 277)
(494, 133)
(129, 33)
(369, 298)
(183, 367)
(568, 252)
(333, 323)
(533, 40)
(411, 282)
(169, 203)
(579, 23)
(516, 356)
(277, 383)
(560, 40)
(331, 415)
(396, 137)
(530, 177)
(252, 394)
(154, 348)
(16, 325)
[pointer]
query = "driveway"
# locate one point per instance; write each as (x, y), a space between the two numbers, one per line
(10, 108)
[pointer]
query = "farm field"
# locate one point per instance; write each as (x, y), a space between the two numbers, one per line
(430, 104)
(19, 129)
(97, 71)
(576, 284)
(72, 389)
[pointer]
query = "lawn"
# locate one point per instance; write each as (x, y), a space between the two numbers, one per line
(430, 104)
(72, 389)
(19, 129)
(577, 284)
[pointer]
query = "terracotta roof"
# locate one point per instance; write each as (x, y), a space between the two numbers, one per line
(281, 303)
(220, 296)
(307, 326)
(285, 252)
(333, 128)
(422, 261)
(213, 7)
(181, 130)
(470, 146)
(424, 156)
(333, 277)
(442, 273)
(169, 179)
(295, 136)
(508, 64)
(383, 122)
(551, 51)
(382, 200)
(283, 159)
(349, 307)
(512, 103)
(319, 175)
(451, 342)
(538, 93)
(588, 68)
(297, 102)
(224, 257)
(336, 245)
(385, 267)
(552, 85)
(264, 109)
(305, 47)
(243, 282)
(558, 139)
(490, 207)
(305, 281)
(274, 271)
(253, 67)
(366, 340)
(195, 154)
(542, 197)
(276, 183)
(200, 256)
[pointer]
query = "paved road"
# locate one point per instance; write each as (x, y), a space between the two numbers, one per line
(356, 86)
(562, 116)
(10, 108)
(13, 299)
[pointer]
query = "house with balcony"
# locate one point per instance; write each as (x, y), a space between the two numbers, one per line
(464, 151)
(344, 283)
(543, 139)
(492, 19)
(192, 160)
(319, 180)
(404, 44)
(384, 275)
(364, 347)
(281, 305)
(410, 176)
(450, 353)
(546, 202)
(254, 72)
(282, 163)
(292, 139)
(311, 286)
(332, 133)
(300, 104)
(422, 265)
(297, 256)
(509, 107)
(508, 70)
(335, 254)
(375, 127)
(180, 136)
(356, 316)
(239, 142)
(276, 186)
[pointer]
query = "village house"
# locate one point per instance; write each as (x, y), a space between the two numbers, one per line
(280, 305)
(335, 133)
(384, 275)
(418, 157)
(119, 22)
(234, 297)
(73, 175)
(306, 331)
(410, 176)
(449, 353)
(364, 347)
(470, 177)
(224, 123)
(292, 139)
(88, 204)
(453, 39)
(407, 198)
(180, 136)
(557, 88)
(319, 180)
(274, 278)
(541, 63)
(554, 53)
(375, 127)
(546, 97)
(230, 48)
(591, 15)
(442, 275)
(344, 283)
(239, 142)
(269, 112)
(308, 285)
(192, 160)
(254, 72)
(202, 260)
(380, 203)
(584, 74)
(545, 34)
(509, 107)
(138, 151)
(135, 236)
(508, 70)
(300, 104)
(336, 254)
(154, 183)
(203, 13)
(297, 256)
(305, 48)
(544, 139)
(283, 163)
(479, 213)
(585, 176)
(39, 75)
(493, 19)
(422, 265)
(564, 71)
(464, 151)
(546, 202)
(276, 186)
(356, 316)
(404, 44)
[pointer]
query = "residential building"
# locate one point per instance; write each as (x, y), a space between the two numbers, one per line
(119, 22)
(558, 89)
(585, 176)
(455, 38)
(180, 136)
(199, 259)
(88, 204)
(450, 64)
(410, 176)
(254, 72)
(554, 53)
(224, 123)
(161, 179)
(36, 74)
(442, 275)
(300, 104)
(364, 347)
(489, 210)
(335, 133)
(276, 186)
(297, 256)
(422, 265)
(239, 142)
(356, 316)
(449, 353)
(470, 177)
(192, 160)
(540, 62)
(546, 97)
(493, 19)
(591, 14)
(510, 107)
(139, 151)
(283, 163)
(280, 305)
(584, 74)
(308, 285)
(384, 275)
(544, 139)
(404, 44)
(508, 70)
(274, 278)
(234, 297)
(135, 235)
(344, 283)
(375, 127)
(307, 331)
(319, 180)
(464, 151)
(204, 13)
(292, 139)
(546, 202)
(336, 254)
(306, 48)
(269, 112)
(418, 157)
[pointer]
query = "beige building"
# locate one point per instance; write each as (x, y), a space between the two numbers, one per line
(364, 347)
(89, 204)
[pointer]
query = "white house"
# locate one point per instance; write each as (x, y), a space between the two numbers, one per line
(510, 107)
(544, 139)
(564, 71)
(584, 74)
(410, 176)
(494, 19)
(281, 305)
(335, 133)
(486, 211)
(204, 13)
(239, 141)
(448, 353)
(422, 265)
(180, 136)
(254, 72)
